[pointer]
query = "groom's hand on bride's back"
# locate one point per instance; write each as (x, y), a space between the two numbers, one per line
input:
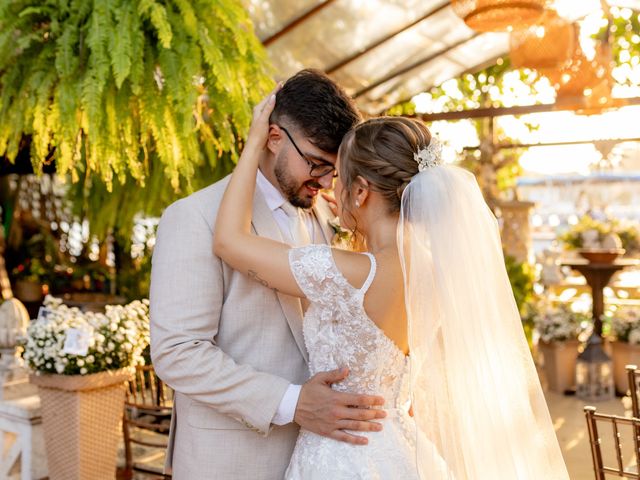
(326, 412)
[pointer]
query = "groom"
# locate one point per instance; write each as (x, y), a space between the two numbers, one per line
(230, 347)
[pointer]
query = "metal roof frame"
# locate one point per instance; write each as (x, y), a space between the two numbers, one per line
(310, 12)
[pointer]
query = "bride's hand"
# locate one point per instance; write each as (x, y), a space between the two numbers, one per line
(259, 131)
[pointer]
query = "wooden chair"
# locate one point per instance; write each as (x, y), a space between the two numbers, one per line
(633, 375)
(147, 417)
(596, 442)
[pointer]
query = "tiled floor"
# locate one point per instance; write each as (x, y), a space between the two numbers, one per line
(569, 422)
(571, 427)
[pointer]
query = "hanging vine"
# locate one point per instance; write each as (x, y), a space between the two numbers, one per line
(136, 101)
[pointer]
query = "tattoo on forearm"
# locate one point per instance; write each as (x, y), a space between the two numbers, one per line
(254, 275)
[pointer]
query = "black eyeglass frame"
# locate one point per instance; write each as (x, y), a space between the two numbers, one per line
(312, 165)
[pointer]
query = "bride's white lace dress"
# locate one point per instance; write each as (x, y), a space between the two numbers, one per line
(339, 333)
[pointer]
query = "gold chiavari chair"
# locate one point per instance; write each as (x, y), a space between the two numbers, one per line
(633, 375)
(596, 441)
(147, 417)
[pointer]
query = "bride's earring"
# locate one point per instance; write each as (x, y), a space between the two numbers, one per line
(357, 204)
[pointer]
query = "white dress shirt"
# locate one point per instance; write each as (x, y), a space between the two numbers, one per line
(287, 408)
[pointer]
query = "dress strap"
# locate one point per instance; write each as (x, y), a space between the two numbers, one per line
(372, 273)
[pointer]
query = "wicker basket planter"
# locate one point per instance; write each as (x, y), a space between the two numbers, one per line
(81, 418)
(559, 364)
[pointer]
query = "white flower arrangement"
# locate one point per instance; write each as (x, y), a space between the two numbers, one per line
(560, 323)
(625, 324)
(65, 340)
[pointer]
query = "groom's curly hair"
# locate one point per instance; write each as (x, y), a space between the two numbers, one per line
(315, 105)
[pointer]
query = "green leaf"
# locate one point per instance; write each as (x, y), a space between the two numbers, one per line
(138, 102)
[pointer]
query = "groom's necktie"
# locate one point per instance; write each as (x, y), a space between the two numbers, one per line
(297, 228)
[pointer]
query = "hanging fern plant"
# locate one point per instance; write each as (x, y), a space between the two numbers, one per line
(136, 101)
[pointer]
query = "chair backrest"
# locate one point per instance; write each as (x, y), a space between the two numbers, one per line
(148, 404)
(147, 394)
(633, 375)
(596, 441)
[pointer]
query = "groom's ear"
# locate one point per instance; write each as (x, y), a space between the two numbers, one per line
(274, 138)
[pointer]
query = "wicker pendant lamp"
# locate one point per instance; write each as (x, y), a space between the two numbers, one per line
(498, 15)
(578, 77)
(577, 74)
(588, 83)
(599, 97)
(547, 44)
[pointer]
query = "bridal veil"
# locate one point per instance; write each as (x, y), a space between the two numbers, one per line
(475, 391)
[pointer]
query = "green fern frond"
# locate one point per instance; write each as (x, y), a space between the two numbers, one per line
(122, 49)
(157, 14)
(137, 101)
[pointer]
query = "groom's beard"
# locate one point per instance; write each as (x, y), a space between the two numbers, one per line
(294, 191)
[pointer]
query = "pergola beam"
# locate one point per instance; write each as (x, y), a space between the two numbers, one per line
(414, 65)
(474, 69)
(565, 104)
(297, 21)
(506, 146)
(377, 43)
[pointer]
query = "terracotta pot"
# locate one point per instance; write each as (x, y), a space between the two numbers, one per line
(622, 354)
(81, 420)
(28, 291)
(559, 364)
(598, 255)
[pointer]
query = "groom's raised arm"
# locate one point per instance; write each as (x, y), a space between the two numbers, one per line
(186, 302)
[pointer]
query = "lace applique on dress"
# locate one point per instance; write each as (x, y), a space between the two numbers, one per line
(339, 333)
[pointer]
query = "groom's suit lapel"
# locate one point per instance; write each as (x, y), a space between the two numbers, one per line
(265, 225)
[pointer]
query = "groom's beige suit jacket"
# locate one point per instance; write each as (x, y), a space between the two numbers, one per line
(227, 345)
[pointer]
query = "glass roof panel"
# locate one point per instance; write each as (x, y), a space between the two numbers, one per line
(342, 29)
(421, 42)
(270, 16)
(424, 55)
(477, 51)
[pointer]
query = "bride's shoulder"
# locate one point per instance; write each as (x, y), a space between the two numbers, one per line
(354, 266)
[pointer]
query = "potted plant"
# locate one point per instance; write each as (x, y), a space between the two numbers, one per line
(561, 329)
(29, 277)
(522, 277)
(625, 349)
(80, 363)
(602, 241)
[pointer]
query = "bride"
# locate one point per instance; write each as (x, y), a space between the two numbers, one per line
(466, 403)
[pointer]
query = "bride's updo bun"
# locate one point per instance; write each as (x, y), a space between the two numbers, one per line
(382, 150)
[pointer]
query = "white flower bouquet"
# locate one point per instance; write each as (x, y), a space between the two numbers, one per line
(560, 323)
(625, 324)
(65, 340)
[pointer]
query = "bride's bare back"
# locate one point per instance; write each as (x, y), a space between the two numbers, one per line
(384, 301)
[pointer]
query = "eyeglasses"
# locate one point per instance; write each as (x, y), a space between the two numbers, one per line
(316, 170)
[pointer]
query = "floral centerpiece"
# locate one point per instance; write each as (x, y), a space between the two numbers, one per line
(560, 323)
(624, 322)
(28, 278)
(82, 361)
(561, 329)
(31, 269)
(67, 341)
(612, 234)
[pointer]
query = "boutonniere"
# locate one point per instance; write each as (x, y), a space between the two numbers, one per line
(341, 237)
